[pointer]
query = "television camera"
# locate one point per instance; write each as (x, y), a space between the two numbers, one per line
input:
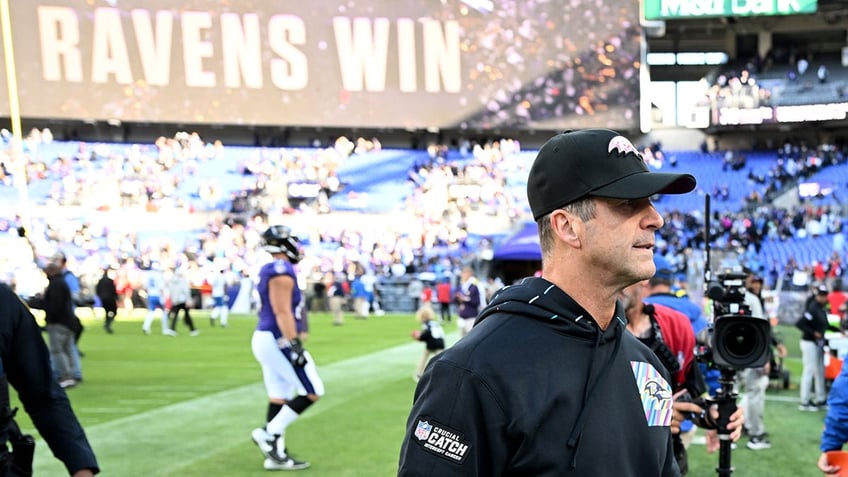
(734, 341)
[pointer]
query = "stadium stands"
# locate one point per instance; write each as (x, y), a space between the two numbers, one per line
(376, 182)
(384, 181)
(714, 178)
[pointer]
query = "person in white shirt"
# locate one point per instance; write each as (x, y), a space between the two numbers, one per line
(154, 284)
(220, 310)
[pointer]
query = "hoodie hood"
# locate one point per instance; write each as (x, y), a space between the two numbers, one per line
(539, 299)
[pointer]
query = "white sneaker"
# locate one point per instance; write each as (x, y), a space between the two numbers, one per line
(263, 440)
(286, 464)
(194, 333)
(758, 443)
(272, 447)
(169, 332)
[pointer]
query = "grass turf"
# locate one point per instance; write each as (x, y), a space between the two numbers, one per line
(167, 406)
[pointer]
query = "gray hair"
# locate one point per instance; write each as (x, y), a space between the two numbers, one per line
(583, 208)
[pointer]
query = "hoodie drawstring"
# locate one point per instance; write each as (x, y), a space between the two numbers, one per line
(574, 439)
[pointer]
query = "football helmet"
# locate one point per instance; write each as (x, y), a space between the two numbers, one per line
(279, 239)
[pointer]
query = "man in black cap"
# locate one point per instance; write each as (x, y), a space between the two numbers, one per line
(813, 325)
(755, 381)
(549, 382)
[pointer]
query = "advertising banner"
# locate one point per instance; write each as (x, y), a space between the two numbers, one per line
(677, 9)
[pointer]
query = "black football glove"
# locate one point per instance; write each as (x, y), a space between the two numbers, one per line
(297, 355)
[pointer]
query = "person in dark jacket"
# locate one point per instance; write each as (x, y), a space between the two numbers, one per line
(73, 282)
(549, 382)
(108, 295)
(468, 300)
(813, 325)
(58, 306)
(25, 361)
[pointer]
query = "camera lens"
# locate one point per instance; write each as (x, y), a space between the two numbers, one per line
(742, 341)
(739, 340)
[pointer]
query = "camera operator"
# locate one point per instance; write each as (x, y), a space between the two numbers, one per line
(755, 381)
(25, 365)
(668, 333)
(813, 324)
(659, 291)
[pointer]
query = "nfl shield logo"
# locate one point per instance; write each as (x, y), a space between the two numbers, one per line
(422, 431)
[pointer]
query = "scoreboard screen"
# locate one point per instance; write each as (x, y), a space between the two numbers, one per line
(477, 64)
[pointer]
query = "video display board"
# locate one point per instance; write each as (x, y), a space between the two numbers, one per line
(480, 64)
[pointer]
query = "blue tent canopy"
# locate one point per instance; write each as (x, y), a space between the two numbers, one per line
(522, 245)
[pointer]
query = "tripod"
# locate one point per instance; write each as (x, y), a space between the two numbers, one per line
(726, 400)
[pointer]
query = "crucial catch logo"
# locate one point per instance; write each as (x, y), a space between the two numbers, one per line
(441, 441)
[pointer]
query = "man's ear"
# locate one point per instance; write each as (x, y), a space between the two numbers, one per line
(567, 227)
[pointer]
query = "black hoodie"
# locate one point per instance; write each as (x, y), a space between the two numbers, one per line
(26, 362)
(538, 389)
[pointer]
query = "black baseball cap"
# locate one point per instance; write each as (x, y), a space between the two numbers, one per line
(597, 162)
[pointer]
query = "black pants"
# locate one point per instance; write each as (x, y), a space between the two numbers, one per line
(111, 312)
(174, 313)
(445, 311)
(680, 454)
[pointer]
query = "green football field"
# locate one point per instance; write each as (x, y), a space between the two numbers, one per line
(184, 406)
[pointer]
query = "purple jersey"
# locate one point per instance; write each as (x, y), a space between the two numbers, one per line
(267, 321)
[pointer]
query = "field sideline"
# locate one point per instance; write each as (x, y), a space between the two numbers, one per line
(184, 406)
